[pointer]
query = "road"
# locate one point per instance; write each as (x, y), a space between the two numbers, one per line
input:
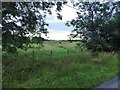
(113, 83)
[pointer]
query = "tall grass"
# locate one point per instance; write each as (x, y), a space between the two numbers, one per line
(76, 70)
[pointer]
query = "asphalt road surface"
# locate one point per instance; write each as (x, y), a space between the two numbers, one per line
(113, 83)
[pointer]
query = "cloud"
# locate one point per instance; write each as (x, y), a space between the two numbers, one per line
(57, 35)
(67, 12)
(53, 19)
(57, 29)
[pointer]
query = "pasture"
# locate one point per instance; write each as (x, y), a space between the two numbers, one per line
(57, 65)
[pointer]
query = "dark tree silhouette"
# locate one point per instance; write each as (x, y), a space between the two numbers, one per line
(97, 24)
(31, 18)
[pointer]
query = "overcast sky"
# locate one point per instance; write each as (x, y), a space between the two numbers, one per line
(57, 29)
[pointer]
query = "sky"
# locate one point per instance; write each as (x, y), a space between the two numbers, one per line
(57, 29)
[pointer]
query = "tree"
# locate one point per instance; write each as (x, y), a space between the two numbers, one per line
(93, 24)
(115, 34)
(21, 18)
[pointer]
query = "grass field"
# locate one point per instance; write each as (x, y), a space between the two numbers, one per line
(66, 67)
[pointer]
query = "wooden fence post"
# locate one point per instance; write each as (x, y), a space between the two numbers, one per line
(33, 54)
(68, 52)
(51, 53)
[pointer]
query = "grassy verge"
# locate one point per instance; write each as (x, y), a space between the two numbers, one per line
(76, 70)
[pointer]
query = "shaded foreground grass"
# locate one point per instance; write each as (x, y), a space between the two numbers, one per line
(77, 70)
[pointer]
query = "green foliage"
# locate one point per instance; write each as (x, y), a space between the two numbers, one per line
(82, 46)
(77, 70)
(98, 25)
(31, 18)
(37, 40)
(115, 28)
